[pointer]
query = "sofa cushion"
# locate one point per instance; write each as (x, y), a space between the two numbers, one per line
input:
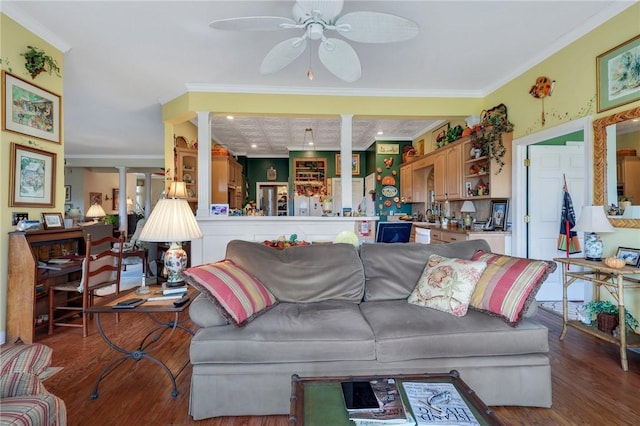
(290, 332)
(392, 270)
(305, 273)
(239, 296)
(446, 284)
(32, 358)
(406, 332)
(508, 285)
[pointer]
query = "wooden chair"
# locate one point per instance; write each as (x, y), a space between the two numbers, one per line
(98, 271)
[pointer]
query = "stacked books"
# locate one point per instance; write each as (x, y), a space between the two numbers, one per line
(169, 294)
(376, 403)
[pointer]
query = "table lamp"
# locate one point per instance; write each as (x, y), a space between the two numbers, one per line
(593, 220)
(172, 221)
(96, 212)
(631, 212)
(467, 207)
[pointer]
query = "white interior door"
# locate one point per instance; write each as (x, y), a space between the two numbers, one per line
(545, 198)
(357, 192)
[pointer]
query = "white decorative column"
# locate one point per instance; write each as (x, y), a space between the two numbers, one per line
(122, 198)
(147, 195)
(346, 144)
(204, 162)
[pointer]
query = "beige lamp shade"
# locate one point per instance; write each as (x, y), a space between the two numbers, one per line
(468, 207)
(593, 219)
(631, 212)
(178, 190)
(171, 220)
(96, 210)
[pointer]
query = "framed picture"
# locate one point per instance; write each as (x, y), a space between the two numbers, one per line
(219, 209)
(499, 212)
(67, 192)
(115, 199)
(617, 78)
(95, 198)
(388, 148)
(52, 220)
(32, 177)
(631, 256)
(355, 164)
(30, 110)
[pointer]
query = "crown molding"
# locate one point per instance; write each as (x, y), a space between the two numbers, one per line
(15, 13)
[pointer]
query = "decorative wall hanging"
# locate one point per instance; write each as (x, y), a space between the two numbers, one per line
(37, 61)
(387, 148)
(32, 177)
(30, 110)
(272, 174)
(543, 88)
(618, 75)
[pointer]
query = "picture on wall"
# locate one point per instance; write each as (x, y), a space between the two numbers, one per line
(67, 192)
(30, 110)
(32, 177)
(95, 198)
(618, 75)
(355, 164)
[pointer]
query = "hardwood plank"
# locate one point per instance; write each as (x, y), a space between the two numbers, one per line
(589, 386)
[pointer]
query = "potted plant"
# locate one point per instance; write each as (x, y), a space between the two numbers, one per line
(37, 61)
(489, 138)
(607, 315)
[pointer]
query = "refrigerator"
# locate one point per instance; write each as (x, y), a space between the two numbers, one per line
(272, 199)
(307, 206)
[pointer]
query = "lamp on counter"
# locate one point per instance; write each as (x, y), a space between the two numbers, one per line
(96, 212)
(468, 207)
(172, 221)
(593, 220)
(129, 204)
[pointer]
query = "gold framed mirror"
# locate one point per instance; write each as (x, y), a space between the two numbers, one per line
(600, 162)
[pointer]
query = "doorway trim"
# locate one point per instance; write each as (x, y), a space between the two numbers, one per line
(519, 175)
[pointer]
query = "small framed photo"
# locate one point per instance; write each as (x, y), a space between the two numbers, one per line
(219, 209)
(67, 192)
(499, 211)
(52, 220)
(631, 256)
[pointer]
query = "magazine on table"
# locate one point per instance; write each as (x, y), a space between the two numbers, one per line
(391, 409)
(438, 404)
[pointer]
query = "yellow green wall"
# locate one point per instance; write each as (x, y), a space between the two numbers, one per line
(14, 40)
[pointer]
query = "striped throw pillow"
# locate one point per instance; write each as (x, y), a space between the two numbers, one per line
(508, 285)
(238, 295)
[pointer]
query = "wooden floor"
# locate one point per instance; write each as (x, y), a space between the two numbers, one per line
(589, 387)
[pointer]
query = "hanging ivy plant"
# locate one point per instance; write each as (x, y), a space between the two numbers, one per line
(489, 138)
(37, 61)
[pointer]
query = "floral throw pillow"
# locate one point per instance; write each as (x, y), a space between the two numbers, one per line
(447, 284)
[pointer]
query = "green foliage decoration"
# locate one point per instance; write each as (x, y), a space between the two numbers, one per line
(489, 138)
(37, 61)
(596, 307)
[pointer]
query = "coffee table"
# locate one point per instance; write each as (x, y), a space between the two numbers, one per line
(318, 401)
(153, 340)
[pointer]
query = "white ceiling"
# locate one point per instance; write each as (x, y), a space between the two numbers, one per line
(123, 58)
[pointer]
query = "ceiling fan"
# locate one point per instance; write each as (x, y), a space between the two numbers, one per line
(316, 16)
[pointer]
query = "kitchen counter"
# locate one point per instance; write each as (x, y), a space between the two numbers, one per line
(499, 241)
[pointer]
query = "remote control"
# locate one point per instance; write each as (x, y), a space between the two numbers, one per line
(181, 302)
(129, 303)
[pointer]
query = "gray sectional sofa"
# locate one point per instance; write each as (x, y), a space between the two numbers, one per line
(344, 312)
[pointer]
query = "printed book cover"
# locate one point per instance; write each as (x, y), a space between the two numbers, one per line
(391, 409)
(438, 404)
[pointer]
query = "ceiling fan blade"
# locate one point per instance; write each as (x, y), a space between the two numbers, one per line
(283, 54)
(376, 27)
(340, 58)
(252, 23)
(327, 9)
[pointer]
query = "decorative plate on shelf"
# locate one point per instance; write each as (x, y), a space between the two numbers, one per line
(190, 193)
(187, 178)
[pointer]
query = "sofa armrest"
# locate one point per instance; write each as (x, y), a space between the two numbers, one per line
(32, 358)
(20, 384)
(204, 313)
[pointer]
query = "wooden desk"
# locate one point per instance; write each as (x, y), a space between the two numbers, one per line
(613, 281)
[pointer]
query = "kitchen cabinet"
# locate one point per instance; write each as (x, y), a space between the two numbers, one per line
(28, 283)
(628, 174)
(309, 176)
(406, 183)
(187, 172)
(498, 241)
(479, 171)
(227, 182)
(447, 172)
